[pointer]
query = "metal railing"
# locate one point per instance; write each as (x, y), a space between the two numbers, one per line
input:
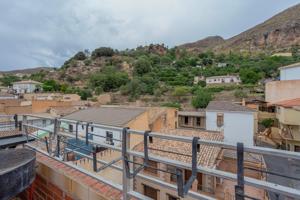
(128, 154)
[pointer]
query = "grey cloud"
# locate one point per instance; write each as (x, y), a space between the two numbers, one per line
(45, 33)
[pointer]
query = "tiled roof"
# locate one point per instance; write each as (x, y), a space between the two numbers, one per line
(107, 191)
(227, 106)
(113, 116)
(9, 133)
(288, 103)
(291, 66)
(182, 151)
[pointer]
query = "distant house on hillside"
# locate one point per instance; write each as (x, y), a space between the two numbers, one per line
(228, 79)
(197, 79)
(28, 86)
(222, 65)
(238, 123)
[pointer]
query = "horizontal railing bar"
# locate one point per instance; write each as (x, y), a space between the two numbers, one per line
(38, 127)
(99, 178)
(214, 172)
(250, 149)
(35, 116)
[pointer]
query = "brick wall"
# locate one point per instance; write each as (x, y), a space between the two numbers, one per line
(42, 189)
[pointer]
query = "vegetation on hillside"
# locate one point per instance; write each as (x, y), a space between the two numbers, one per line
(156, 70)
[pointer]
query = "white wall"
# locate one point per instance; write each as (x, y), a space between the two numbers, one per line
(101, 132)
(238, 127)
(290, 73)
(24, 87)
(223, 79)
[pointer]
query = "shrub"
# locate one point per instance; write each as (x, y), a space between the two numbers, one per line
(80, 56)
(201, 99)
(85, 94)
(142, 66)
(180, 91)
(267, 122)
(98, 90)
(249, 76)
(172, 105)
(103, 51)
(240, 94)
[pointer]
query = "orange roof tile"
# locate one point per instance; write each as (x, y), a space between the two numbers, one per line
(288, 103)
(182, 151)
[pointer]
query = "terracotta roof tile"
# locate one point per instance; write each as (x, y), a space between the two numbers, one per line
(288, 103)
(182, 151)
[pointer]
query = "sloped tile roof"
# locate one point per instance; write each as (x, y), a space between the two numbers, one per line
(182, 151)
(288, 103)
(227, 106)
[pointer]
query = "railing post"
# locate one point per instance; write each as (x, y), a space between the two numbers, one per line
(58, 146)
(239, 188)
(125, 145)
(77, 123)
(16, 120)
(94, 159)
(87, 134)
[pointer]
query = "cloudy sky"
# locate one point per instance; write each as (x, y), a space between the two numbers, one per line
(37, 33)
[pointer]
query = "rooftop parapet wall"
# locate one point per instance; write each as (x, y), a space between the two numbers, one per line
(282, 90)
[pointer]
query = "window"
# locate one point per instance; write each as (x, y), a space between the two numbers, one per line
(170, 197)
(198, 121)
(175, 113)
(172, 169)
(109, 137)
(220, 119)
(151, 192)
(186, 120)
(152, 167)
(70, 128)
(92, 129)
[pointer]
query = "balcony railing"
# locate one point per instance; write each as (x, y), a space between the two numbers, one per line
(54, 145)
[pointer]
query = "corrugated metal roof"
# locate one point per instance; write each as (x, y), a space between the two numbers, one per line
(112, 116)
(227, 106)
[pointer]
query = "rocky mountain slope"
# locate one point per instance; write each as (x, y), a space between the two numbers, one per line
(277, 34)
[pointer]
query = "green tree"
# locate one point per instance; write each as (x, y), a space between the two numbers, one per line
(103, 51)
(249, 76)
(85, 94)
(201, 99)
(51, 86)
(267, 122)
(240, 94)
(8, 80)
(80, 56)
(109, 79)
(142, 66)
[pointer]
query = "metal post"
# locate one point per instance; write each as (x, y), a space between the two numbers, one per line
(16, 120)
(87, 134)
(77, 123)
(126, 180)
(20, 125)
(95, 160)
(58, 146)
(239, 188)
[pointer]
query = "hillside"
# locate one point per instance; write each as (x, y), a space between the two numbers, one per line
(204, 44)
(277, 34)
(27, 70)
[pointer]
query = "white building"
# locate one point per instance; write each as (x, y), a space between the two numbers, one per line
(229, 79)
(238, 123)
(108, 116)
(28, 86)
(290, 72)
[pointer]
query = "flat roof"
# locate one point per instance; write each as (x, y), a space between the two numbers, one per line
(290, 66)
(112, 116)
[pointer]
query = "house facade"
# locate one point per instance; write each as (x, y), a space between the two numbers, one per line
(288, 115)
(191, 119)
(238, 123)
(29, 86)
(229, 79)
(209, 157)
(290, 72)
